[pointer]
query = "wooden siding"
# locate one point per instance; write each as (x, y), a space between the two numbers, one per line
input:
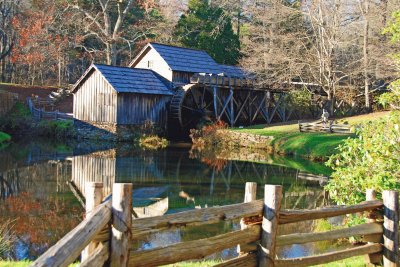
(181, 77)
(93, 169)
(95, 100)
(135, 109)
(152, 60)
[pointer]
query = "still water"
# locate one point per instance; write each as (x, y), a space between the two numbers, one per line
(41, 186)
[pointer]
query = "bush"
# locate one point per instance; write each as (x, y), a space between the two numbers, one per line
(56, 129)
(207, 136)
(153, 142)
(17, 120)
(4, 138)
(370, 161)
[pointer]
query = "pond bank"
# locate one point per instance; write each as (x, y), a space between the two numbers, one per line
(287, 140)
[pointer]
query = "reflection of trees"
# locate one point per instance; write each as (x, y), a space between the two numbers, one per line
(37, 201)
(33, 178)
(39, 222)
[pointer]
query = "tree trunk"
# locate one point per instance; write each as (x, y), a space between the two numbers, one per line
(366, 57)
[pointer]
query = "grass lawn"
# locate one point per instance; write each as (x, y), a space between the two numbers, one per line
(288, 140)
(350, 262)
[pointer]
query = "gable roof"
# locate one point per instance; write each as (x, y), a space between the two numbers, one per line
(128, 80)
(233, 71)
(182, 59)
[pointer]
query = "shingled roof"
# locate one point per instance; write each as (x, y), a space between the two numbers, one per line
(233, 71)
(183, 59)
(128, 80)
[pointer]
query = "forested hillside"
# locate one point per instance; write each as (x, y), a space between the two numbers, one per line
(336, 45)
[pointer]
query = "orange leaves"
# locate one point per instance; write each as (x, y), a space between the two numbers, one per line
(44, 221)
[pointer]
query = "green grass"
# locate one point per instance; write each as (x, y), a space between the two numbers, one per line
(350, 262)
(4, 138)
(289, 141)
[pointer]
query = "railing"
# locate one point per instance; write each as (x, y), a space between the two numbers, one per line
(40, 113)
(329, 127)
(105, 236)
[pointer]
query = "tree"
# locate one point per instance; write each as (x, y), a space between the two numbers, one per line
(207, 27)
(111, 23)
(8, 13)
(372, 159)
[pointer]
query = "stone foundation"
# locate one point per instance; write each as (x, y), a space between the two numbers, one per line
(240, 139)
(107, 131)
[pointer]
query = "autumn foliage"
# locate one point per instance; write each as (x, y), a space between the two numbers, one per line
(39, 223)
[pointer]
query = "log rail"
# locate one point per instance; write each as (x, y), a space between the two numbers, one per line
(106, 236)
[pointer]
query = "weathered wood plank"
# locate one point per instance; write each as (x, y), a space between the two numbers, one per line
(196, 217)
(93, 196)
(301, 238)
(121, 224)
(249, 196)
(193, 249)
(65, 251)
(330, 257)
(291, 216)
(272, 205)
(247, 260)
(391, 228)
(98, 257)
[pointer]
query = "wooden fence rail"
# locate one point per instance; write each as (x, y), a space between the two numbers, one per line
(106, 236)
(40, 113)
(319, 126)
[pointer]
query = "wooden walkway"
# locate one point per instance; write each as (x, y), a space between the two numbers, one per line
(106, 236)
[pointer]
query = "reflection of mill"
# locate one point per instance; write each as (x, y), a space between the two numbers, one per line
(176, 173)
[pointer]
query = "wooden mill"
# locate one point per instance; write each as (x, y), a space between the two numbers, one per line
(174, 88)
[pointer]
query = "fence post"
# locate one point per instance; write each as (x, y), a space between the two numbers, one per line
(272, 205)
(375, 258)
(93, 196)
(121, 224)
(390, 228)
(249, 195)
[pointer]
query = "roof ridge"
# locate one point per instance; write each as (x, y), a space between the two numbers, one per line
(181, 47)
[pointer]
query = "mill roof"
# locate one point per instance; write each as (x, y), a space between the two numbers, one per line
(183, 59)
(129, 80)
(233, 71)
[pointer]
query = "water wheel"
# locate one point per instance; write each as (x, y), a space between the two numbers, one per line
(191, 105)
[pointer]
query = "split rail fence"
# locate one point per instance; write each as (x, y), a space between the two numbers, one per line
(319, 126)
(106, 236)
(40, 113)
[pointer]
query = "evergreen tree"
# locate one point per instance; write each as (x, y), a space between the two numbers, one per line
(208, 28)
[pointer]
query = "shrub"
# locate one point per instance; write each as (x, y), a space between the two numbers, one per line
(17, 120)
(153, 142)
(369, 161)
(56, 129)
(207, 136)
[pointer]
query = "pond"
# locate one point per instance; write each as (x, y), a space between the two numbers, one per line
(42, 184)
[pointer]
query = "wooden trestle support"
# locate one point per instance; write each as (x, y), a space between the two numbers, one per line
(233, 100)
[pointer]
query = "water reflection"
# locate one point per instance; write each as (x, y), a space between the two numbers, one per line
(43, 182)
